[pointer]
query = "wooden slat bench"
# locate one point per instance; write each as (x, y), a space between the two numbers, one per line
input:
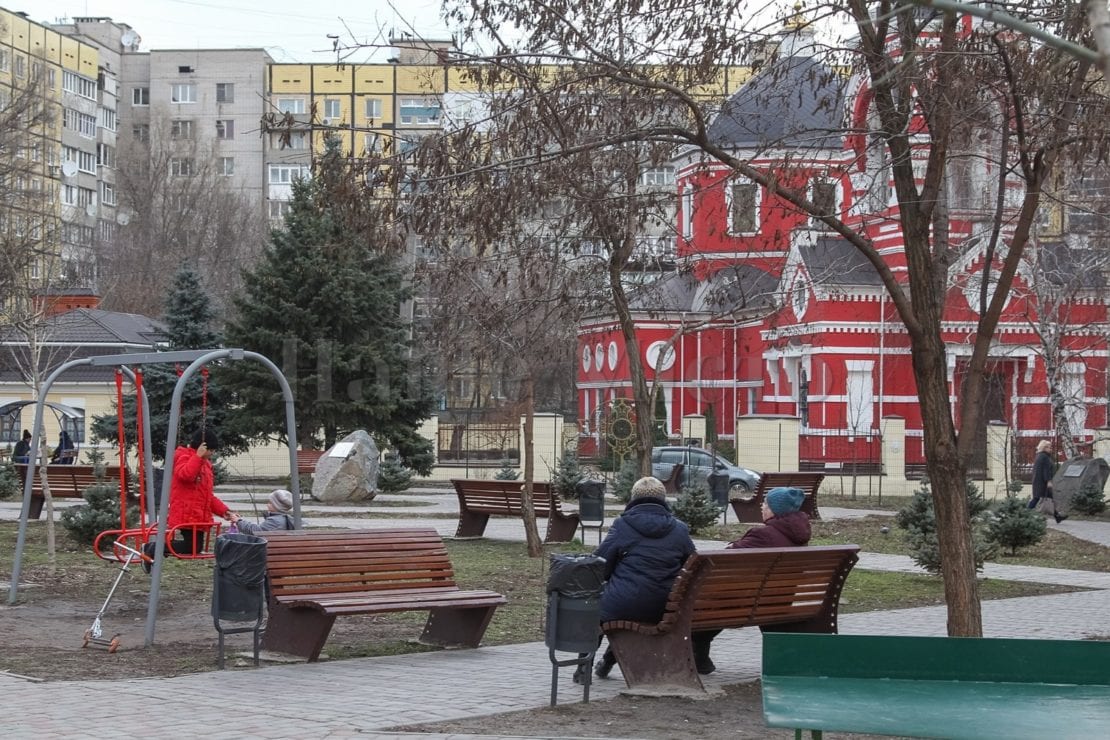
(749, 509)
(480, 499)
(957, 687)
(307, 459)
(315, 576)
(66, 481)
(789, 589)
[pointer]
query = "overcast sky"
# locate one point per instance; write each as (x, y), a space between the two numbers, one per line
(291, 30)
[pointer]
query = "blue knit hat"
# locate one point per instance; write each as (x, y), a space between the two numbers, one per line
(785, 500)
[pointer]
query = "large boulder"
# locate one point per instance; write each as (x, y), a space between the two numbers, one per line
(349, 471)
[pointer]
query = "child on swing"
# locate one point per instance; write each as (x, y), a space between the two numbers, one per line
(192, 496)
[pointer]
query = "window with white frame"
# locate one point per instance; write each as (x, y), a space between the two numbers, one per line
(1074, 392)
(657, 176)
(687, 204)
(294, 106)
(105, 155)
(825, 195)
(225, 129)
(225, 92)
(141, 132)
(742, 202)
(78, 85)
(279, 209)
(285, 174)
(419, 111)
(20, 66)
(183, 92)
(181, 128)
(371, 144)
(181, 166)
(331, 108)
(373, 107)
(225, 166)
(83, 123)
(140, 96)
(5, 61)
(861, 396)
(107, 193)
(107, 119)
(107, 230)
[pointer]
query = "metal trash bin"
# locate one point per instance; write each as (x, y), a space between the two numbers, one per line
(239, 586)
(591, 506)
(718, 488)
(574, 589)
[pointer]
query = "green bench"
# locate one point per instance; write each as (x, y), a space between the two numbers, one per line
(950, 687)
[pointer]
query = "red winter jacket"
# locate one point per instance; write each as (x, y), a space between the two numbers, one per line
(191, 496)
(788, 530)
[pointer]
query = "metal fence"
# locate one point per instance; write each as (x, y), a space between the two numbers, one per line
(841, 452)
(482, 443)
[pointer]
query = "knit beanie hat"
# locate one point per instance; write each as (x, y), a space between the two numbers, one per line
(648, 487)
(281, 500)
(785, 500)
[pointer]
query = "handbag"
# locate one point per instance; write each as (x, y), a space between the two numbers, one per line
(1045, 505)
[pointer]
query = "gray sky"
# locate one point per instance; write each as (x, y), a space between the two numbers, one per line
(291, 30)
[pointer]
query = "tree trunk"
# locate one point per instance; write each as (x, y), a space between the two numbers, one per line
(641, 394)
(947, 477)
(531, 532)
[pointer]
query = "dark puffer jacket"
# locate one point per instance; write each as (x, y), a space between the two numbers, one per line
(644, 551)
(788, 530)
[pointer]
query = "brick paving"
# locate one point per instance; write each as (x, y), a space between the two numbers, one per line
(365, 697)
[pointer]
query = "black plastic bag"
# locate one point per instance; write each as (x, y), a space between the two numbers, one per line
(576, 576)
(239, 577)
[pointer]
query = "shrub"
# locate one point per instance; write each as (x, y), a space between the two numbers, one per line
(393, 476)
(507, 472)
(568, 474)
(1015, 525)
(695, 507)
(919, 520)
(1089, 500)
(9, 481)
(622, 486)
(99, 513)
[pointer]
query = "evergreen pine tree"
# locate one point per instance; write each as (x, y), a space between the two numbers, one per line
(696, 507)
(1014, 525)
(325, 303)
(393, 477)
(629, 474)
(188, 319)
(919, 520)
(507, 472)
(568, 474)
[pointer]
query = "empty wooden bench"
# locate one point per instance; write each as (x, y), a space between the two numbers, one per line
(789, 589)
(307, 459)
(957, 687)
(750, 509)
(315, 576)
(481, 499)
(66, 481)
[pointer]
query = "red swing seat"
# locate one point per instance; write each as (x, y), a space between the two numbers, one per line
(136, 538)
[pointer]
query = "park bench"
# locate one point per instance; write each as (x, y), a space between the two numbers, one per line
(793, 589)
(672, 483)
(66, 481)
(315, 576)
(953, 687)
(749, 509)
(481, 499)
(307, 459)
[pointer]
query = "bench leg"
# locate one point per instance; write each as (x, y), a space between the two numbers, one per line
(35, 512)
(300, 632)
(657, 665)
(561, 529)
(451, 627)
(471, 524)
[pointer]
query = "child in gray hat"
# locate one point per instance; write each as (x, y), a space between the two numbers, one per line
(278, 506)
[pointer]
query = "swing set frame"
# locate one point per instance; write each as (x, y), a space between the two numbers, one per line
(198, 359)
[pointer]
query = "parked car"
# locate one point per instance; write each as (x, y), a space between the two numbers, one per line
(697, 464)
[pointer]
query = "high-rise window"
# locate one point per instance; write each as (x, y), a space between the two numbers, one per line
(141, 132)
(373, 107)
(225, 166)
(331, 108)
(181, 128)
(183, 93)
(420, 111)
(225, 92)
(225, 129)
(295, 106)
(181, 167)
(140, 96)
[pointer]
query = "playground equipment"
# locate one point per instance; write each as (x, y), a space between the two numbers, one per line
(197, 359)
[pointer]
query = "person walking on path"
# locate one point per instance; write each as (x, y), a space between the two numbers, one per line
(1043, 470)
(784, 525)
(644, 552)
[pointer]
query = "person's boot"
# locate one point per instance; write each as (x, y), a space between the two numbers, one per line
(580, 673)
(148, 550)
(605, 665)
(1061, 517)
(704, 664)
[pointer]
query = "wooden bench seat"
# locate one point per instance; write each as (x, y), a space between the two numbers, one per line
(965, 687)
(790, 589)
(750, 509)
(66, 481)
(315, 576)
(307, 459)
(481, 499)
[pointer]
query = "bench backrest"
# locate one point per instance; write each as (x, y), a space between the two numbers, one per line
(307, 459)
(757, 586)
(313, 563)
(69, 479)
(808, 482)
(504, 496)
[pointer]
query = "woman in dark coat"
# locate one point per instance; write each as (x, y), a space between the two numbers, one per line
(644, 552)
(784, 525)
(1043, 468)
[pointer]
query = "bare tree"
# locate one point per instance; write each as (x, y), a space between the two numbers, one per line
(922, 72)
(182, 210)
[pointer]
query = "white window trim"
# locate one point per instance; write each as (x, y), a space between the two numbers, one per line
(838, 203)
(687, 205)
(758, 220)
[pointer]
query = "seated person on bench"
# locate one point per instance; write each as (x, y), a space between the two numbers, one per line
(192, 496)
(784, 525)
(277, 516)
(22, 451)
(644, 552)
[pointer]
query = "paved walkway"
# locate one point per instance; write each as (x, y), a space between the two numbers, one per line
(365, 697)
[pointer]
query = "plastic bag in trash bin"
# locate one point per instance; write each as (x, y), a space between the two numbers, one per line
(576, 576)
(238, 578)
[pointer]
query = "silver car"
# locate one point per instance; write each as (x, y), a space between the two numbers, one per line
(698, 464)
